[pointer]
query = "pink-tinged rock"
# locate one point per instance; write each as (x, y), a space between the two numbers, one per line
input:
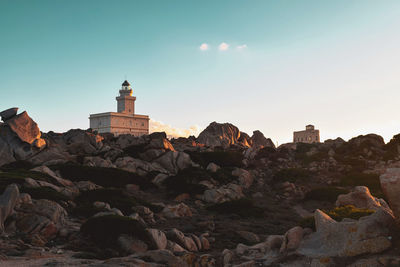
(370, 234)
(361, 198)
(8, 200)
(390, 183)
(292, 239)
(24, 127)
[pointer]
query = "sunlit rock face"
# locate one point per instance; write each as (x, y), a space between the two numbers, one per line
(20, 136)
(258, 140)
(390, 183)
(223, 135)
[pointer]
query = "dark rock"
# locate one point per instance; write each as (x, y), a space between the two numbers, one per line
(8, 200)
(258, 140)
(8, 113)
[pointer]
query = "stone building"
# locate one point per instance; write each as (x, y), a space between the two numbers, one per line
(310, 135)
(125, 121)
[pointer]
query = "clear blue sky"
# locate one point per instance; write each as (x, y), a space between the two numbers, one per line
(335, 64)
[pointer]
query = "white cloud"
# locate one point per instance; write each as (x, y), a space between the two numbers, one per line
(172, 132)
(241, 47)
(223, 47)
(204, 47)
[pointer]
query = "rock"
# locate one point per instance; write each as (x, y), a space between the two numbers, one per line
(205, 244)
(220, 135)
(197, 241)
(87, 186)
(212, 167)
(145, 213)
(250, 237)
(246, 264)
(163, 256)
(6, 153)
(8, 114)
(182, 197)
(25, 198)
(369, 234)
(157, 238)
(190, 244)
(55, 179)
(43, 217)
(182, 240)
(98, 162)
(113, 211)
(177, 211)
(292, 239)
(174, 161)
(390, 183)
(138, 166)
(24, 127)
(174, 247)
(361, 198)
(131, 245)
(227, 256)
(8, 200)
(225, 193)
(245, 177)
(176, 236)
(258, 140)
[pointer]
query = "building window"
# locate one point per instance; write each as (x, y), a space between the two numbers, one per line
(142, 123)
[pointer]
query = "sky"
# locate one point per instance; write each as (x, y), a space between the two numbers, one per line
(268, 65)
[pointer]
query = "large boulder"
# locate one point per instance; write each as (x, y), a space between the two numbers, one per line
(224, 193)
(223, 135)
(6, 153)
(24, 127)
(258, 140)
(390, 183)
(43, 218)
(361, 198)
(174, 161)
(348, 238)
(8, 200)
(177, 211)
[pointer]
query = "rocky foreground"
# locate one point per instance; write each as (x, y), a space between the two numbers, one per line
(222, 199)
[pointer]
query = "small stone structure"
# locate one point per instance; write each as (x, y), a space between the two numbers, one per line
(310, 135)
(125, 121)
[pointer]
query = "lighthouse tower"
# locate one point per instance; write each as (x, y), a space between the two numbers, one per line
(125, 121)
(125, 100)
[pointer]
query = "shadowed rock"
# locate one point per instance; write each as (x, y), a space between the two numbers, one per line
(8, 200)
(8, 113)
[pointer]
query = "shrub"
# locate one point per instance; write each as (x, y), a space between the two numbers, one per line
(223, 175)
(186, 181)
(17, 165)
(371, 180)
(18, 177)
(292, 175)
(338, 214)
(86, 210)
(45, 193)
(115, 197)
(221, 158)
(348, 211)
(105, 230)
(107, 177)
(265, 152)
(243, 207)
(329, 194)
(134, 151)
